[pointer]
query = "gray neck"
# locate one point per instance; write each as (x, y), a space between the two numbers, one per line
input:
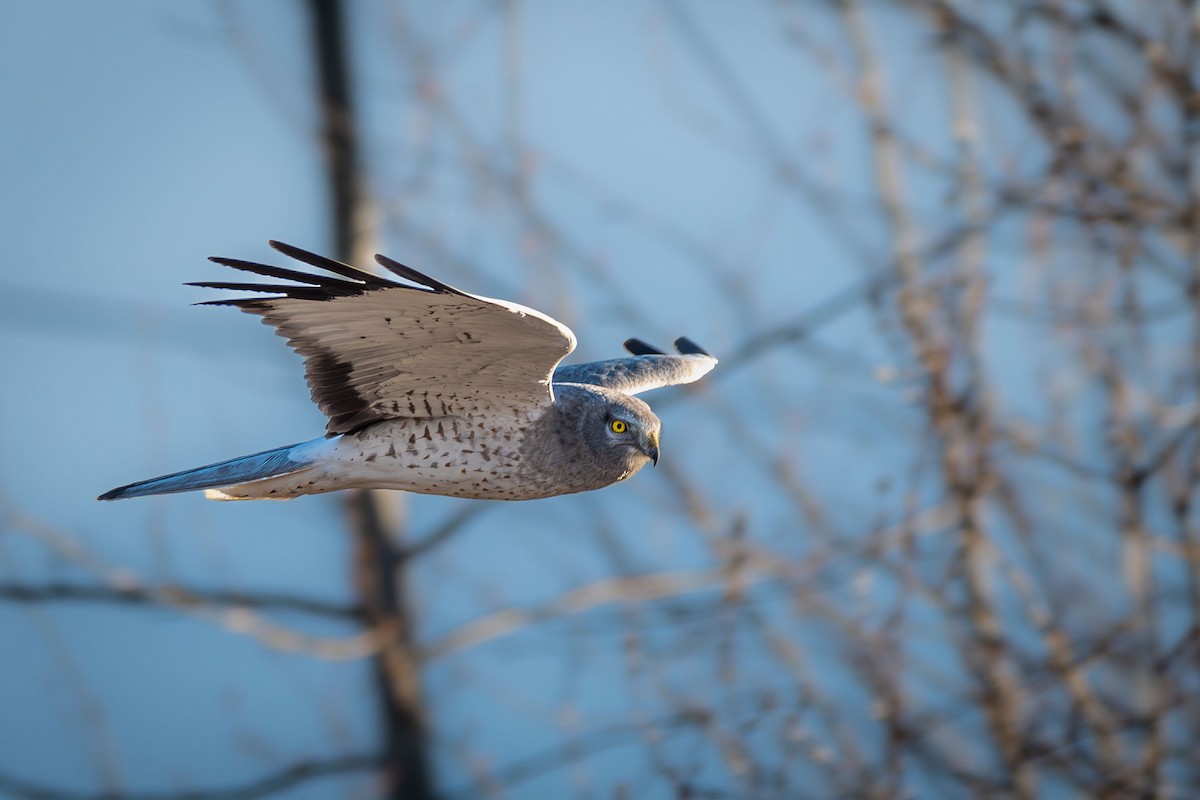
(557, 443)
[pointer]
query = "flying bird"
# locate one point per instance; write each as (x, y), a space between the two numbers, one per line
(433, 390)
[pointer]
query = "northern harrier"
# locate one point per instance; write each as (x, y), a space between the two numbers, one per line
(429, 389)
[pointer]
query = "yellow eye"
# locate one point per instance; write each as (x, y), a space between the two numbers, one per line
(617, 426)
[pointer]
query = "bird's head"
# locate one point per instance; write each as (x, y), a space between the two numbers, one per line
(631, 428)
(619, 432)
(624, 431)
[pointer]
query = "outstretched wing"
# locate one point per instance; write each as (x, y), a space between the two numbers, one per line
(376, 349)
(648, 368)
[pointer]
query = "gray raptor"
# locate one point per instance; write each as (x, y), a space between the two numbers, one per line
(429, 389)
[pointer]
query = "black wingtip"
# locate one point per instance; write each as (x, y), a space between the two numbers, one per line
(245, 303)
(113, 494)
(408, 273)
(297, 292)
(686, 347)
(328, 264)
(640, 348)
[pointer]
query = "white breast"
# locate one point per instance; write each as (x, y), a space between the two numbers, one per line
(449, 456)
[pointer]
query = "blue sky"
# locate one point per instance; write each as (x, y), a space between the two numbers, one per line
(141, 137)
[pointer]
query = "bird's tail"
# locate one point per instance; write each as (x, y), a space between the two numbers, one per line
(267, 464)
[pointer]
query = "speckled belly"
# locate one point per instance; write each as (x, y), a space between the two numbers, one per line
(448, 456)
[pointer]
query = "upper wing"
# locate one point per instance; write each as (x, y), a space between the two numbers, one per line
(648, 368)
(376, 349)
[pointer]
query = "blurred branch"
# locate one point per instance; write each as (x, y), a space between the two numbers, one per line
(631, 589)
(239, 619)
(863, 291)
(741, 570)
(523, 770)
(286, 778)
(174, 596)
(957, 414)
(423, 545)
(787, 169)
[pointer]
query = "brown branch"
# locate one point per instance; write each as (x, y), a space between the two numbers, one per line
(630, 589)
(957, 416)
(597, 741)
(286, 778)
(242, 620)
(177, 596)
(442, 533)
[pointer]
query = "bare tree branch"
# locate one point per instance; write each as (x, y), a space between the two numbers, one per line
(176, 596)
(286, 778)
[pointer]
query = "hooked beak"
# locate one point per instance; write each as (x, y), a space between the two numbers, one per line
(650, 447)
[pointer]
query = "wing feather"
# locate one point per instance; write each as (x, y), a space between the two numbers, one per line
(324, 281)
(640, 348)
(649, 368)
(411, 274)
(329, 265)
(376, 349)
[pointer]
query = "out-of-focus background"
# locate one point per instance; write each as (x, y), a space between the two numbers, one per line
(929, 530)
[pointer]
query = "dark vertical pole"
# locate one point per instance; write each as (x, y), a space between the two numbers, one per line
(339, 137)
(379, 569)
